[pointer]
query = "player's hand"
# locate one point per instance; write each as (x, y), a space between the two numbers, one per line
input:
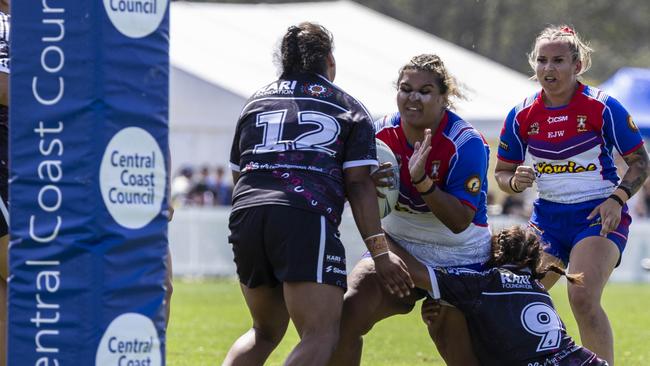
(384, 176)
(394, 274)
(430, 310)
(418, 161)
(523, 178)
(610, 215)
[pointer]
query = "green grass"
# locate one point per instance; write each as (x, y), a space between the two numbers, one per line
(208, 316)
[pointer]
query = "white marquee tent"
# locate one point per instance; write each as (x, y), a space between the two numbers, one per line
(221, 53)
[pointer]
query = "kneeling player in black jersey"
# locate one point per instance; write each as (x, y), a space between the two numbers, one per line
(511, 317)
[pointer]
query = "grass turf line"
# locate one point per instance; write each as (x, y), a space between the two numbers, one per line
(208, 316)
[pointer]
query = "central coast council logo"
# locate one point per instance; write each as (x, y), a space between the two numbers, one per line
(136, 18)
(130, 339)
(132, 177)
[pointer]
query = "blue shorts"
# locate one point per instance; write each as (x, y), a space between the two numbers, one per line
(562, 226)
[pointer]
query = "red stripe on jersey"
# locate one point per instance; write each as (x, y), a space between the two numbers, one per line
(508, 160)
(635, 148)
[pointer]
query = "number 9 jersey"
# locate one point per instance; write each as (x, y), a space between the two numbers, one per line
(293, 140)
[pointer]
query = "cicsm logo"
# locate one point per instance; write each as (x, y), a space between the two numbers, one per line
(557, 119)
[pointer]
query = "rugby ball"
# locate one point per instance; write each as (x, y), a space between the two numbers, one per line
(385, 155)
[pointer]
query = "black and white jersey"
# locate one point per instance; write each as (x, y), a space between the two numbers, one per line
(511, 318)
(293, 140)
(4, 42)
(4, 63)
(4, 128)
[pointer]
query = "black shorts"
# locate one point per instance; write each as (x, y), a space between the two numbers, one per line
(274, 244)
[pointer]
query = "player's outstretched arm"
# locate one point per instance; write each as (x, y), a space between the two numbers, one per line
(360, 191)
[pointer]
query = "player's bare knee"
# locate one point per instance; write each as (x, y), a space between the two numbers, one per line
(582, 301)
(326, 338)
(270, 334)
(363, 274)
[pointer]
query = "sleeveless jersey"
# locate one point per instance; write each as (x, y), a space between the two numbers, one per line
(458, 164)
(572, 146)
(293, 140)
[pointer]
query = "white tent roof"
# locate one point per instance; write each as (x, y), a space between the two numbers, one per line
(231, 45)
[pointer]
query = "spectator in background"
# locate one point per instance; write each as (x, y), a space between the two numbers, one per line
(204, 188)
(223, 188)
(181, 186)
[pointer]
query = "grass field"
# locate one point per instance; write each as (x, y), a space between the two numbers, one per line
(207, 316)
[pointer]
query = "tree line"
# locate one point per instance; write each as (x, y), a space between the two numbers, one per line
(504, 30)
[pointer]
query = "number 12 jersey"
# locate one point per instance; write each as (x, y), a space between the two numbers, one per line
(293, 140)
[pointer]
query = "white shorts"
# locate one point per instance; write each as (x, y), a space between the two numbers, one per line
(446, 256)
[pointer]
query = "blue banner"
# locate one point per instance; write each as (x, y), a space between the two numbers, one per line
(88, 167)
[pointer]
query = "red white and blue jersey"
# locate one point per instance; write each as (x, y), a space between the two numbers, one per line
(458, 164)
(572, 146)
(293, 140)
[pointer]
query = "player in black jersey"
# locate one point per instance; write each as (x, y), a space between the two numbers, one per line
(302, 145)
(510, 315)
(4, 172)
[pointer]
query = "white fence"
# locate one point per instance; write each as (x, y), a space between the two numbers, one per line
(198, 238)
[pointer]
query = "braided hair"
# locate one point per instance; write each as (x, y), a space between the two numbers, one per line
(523, 248)
(304, 49)
(446, 83)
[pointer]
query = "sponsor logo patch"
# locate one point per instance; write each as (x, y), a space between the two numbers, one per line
(334, 258)
(504, 145)
(336, 270)
(557, 119)
(582, 123)
(317, 90)
(283, 88)
(473, 184)
(533, 129)
(511, 280)
(435, 166)
(631, 124)
(570, 167)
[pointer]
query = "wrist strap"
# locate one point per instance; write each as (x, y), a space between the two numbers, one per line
(626, 190)
(424, 176)
(511, 183)
(617, 199)
(373, 236)
(430, 189)
(377, 245)
(380, 254)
